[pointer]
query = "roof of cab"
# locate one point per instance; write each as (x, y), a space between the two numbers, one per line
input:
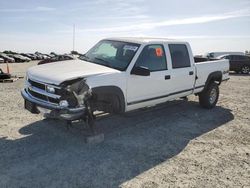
(142, 40)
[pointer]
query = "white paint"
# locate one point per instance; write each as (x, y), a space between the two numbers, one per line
(135, 88)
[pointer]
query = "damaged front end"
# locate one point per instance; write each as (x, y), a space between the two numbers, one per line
(68, 101)
(75, 94)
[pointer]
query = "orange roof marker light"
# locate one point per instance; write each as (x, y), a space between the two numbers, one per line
(159, 52)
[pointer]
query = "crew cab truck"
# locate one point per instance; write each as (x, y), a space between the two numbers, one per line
(122, 74)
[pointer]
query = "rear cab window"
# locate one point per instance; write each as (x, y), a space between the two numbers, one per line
(179, 55)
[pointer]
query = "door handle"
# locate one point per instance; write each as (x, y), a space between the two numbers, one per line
(167, 77)
(191, 72)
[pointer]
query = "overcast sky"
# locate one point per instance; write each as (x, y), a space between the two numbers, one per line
(46, 25)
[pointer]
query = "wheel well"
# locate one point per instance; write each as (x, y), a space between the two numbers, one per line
(104, 98)
(213, 77)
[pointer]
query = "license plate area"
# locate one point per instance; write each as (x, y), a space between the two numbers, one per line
(30, 107)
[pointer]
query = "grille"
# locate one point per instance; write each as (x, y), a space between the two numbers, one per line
(42, 94)
(37, 85)
(43, 97)
(37, 95)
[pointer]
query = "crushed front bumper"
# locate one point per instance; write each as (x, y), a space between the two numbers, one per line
(32, 104)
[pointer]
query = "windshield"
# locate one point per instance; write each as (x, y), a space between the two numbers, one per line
(114, 54)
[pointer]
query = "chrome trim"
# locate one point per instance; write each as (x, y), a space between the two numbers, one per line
(43, 92)
(47, 101)
(46, 84)
(49, 105)
(40, 100)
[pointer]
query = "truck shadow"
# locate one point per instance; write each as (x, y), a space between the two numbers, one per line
(50, 156)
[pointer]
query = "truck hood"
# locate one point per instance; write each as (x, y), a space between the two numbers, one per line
(58, 72)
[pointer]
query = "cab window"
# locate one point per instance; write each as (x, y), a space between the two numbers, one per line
(179, 55)
(153, 57)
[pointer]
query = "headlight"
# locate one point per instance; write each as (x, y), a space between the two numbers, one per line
(50, 89)
(63, 104)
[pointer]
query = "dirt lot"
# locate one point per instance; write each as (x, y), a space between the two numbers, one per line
(177, 144)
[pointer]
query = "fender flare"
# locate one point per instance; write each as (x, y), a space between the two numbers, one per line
(214, 76)
(111, 90)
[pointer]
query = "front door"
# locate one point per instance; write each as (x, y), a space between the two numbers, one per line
(143, 90)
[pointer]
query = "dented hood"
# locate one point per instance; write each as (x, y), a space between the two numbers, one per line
(58, 72)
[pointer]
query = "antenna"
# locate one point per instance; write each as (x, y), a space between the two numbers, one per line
(73, 37)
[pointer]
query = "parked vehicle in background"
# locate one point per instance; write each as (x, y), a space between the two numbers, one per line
(50, 55)
(34, 56)
(39, 56)
(122, 74)
(7, 58)
(27, 59)
(198, 59)
(19, 58)
(42, 56)
(30, 56)
(238, 63)
(4, 75)
(53, 54)
(56, 58)
(217, 54)
(1, 60)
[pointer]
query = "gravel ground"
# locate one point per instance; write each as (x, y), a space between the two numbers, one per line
(177, 144)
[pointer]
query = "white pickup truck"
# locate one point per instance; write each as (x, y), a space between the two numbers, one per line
(122, 74)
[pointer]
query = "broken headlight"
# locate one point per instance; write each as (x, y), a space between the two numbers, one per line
(75, 92)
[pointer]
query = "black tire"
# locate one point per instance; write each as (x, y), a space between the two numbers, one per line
(209, 97)
(116, 107)
(245, 69)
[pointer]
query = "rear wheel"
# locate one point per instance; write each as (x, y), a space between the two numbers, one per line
(209, 97)
(245, 69)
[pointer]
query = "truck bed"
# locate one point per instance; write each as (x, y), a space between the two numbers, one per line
(203, 59)
(203, 69)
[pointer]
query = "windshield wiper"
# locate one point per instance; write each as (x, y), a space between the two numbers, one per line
(85, 58)
(103, 60)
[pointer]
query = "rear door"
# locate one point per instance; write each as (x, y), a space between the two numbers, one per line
(183, 70)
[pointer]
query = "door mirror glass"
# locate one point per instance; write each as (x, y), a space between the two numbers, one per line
(141, 71)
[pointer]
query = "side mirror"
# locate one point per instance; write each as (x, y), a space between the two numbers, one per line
(141, 71)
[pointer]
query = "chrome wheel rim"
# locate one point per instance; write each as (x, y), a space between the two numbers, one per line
(245, 69)
(213, 96)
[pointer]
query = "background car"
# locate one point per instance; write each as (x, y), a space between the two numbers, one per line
(56, 58)
(30, 56)
(19, 58)
(1, 60)
(42, 56)
(33, 56)
(238, 63)
(217, 54)
(7, 58)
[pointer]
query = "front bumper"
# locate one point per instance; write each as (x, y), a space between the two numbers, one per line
(61, 112)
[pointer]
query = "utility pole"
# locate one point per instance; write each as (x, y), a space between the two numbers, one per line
(74, 37)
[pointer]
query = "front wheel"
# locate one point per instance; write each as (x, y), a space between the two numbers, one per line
(245, 69)
(209, 97)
